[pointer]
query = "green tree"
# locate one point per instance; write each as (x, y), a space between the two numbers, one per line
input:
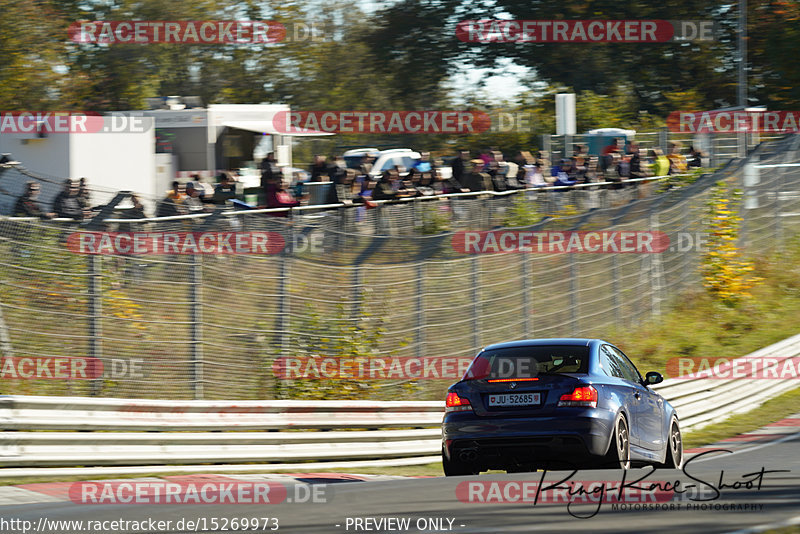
(649, 70)
(774, 39)
(32, 50)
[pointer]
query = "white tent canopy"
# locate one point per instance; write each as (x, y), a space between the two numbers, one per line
(611, 131)
(267, 127)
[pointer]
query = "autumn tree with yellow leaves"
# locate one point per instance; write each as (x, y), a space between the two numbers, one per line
(727, 276)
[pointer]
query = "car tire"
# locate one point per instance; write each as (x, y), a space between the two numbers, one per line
(456, 468)
(674, 453)
(619, 450)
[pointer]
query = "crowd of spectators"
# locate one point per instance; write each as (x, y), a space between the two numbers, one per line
(72, 202)
(195, 196)
(617, 165)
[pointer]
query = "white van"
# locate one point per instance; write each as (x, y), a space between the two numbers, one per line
(405, 158)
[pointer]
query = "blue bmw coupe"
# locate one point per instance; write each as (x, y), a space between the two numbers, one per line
(556, 404)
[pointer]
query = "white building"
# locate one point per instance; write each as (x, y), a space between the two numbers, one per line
(110, 160)
(167, 144)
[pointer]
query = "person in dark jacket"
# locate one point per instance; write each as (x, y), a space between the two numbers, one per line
(385, 188)
(477, 180)
(337, 170)
(225, 190)
(84, 198)
(28, 204)
(66, 205)
(269, 171)
(319, 170)
(172, 204)
(462, 168)
(638, 167)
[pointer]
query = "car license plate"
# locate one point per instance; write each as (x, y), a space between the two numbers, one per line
(515, 399)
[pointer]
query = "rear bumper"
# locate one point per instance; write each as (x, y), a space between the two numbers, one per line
(575, 433)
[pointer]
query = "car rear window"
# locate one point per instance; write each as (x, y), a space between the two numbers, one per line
(528, 362)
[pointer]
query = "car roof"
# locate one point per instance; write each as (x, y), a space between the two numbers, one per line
(406, 153)
(360, 151)
(566, 341)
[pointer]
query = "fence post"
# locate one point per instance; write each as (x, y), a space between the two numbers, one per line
(573, 295)
(6, 349)
(476, 304)
(663, 139)
(95, 316)
(379, 219)
(196, 298)
(615, 287)
(789, 156)
(526, 296)
(282, 321)
(546, 144)
(420, 312)
(697, 247)
(741, 144)
(357, 296)
(656, 272)
(342, 237)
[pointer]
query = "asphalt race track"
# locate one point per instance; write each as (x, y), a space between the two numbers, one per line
(435, 504)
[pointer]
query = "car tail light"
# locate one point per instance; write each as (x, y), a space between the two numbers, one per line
(581, 396)
(454, 403)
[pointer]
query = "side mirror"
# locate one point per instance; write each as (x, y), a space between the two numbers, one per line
(652, 378)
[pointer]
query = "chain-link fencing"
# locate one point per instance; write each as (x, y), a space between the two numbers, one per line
(182, 319)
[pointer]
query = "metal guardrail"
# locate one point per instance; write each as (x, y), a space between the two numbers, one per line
(702, 401)
(146, 438)
(699, 402)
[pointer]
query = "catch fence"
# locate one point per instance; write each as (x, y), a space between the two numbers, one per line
(351, 282)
